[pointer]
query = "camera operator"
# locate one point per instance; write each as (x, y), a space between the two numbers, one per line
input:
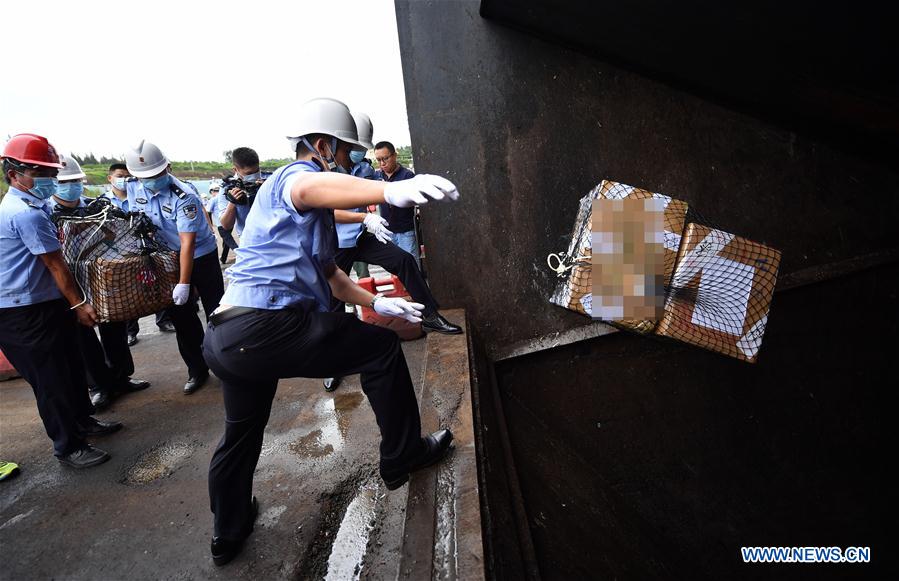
(240, 200)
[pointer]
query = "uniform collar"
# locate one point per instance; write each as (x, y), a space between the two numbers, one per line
(27, 196)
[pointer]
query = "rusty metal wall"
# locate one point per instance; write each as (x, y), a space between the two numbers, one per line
(526, 127)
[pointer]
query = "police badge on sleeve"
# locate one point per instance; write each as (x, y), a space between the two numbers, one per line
(190, 210)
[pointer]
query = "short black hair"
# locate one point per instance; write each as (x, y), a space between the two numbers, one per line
(7, 165)
(385, 145)
(116, 166)
(244, 157)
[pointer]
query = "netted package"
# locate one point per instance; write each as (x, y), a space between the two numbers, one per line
(720, 292)
(123, 269)
(575, 290)
(674, 218)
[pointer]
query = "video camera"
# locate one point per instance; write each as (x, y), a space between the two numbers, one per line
(231, 184)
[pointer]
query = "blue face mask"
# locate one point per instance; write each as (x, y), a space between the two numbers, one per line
(156, 184)
(119, 184)
(357, 156)
(43, 188)
(70, 191)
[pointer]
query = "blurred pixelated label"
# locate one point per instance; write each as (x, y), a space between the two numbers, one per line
(575, 289)
(628, 259)
(720, 292)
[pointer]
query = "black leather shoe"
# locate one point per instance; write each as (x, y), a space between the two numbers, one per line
(224, 550)
(195, 383)
(438, 324)
(436, 445)
(99, 398)
(94, 427)
(332, 383)
(84, 458)
(167, 327)
(134, 385)
(132, 340)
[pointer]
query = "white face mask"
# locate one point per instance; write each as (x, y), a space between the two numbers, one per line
(253, 177)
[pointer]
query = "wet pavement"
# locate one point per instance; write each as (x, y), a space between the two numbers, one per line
(323, 511)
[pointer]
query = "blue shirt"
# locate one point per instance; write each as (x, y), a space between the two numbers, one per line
(120, 204)
(25, 232)
(283, 252)
(173, 214)
(347, 234)
(240, 213)
(399, 220)
(212, 206)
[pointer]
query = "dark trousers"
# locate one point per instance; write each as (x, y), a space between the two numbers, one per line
(206, 281)
(98, 373)
(163, 316)
(394, 260)
(114, 338)
(41, 342)
(251, 352)
(228, 243)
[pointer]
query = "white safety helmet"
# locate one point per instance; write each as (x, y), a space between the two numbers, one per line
(146, 160)
(327, 117)
(364, 129)
(71, 169)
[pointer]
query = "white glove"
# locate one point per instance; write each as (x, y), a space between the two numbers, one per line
(393, 307)
(419, 190)
(181, 293)
(378, 226)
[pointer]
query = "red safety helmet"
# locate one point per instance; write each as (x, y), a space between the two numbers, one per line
(31, 150)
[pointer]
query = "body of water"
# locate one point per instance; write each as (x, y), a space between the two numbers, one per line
(202, 187)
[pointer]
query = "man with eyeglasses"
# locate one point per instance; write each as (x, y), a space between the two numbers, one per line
(400, 221)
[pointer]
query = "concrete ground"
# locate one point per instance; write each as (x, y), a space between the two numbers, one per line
(145, 513)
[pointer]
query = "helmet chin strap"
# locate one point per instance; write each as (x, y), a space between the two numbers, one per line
(330, 163)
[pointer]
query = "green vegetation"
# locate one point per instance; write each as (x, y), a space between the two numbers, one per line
(95, 169)
(404, 156)
(197, 170)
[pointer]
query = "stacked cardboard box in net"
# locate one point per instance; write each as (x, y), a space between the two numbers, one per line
(718, 287)
(123, 270)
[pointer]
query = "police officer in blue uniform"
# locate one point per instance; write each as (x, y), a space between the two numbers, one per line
(276, 322)
(365, 237)
(178, 214)
(108, 361)
(215, 205)
(118, 178)
(40, 304)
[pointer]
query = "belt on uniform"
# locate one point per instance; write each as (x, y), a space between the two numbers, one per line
(230, 313)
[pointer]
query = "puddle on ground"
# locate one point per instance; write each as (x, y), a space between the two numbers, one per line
(158, 462)
(271, 516)
(446, 554)
(312, 445)
(351, 540)
(330, 437)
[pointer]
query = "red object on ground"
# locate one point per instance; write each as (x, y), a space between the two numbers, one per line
(7, 371)
(406, 330)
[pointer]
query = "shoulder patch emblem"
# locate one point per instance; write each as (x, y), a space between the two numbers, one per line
(190, 210)
(30, 204)
(141, 200)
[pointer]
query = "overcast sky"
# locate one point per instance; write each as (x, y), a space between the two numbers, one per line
(196, 78)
